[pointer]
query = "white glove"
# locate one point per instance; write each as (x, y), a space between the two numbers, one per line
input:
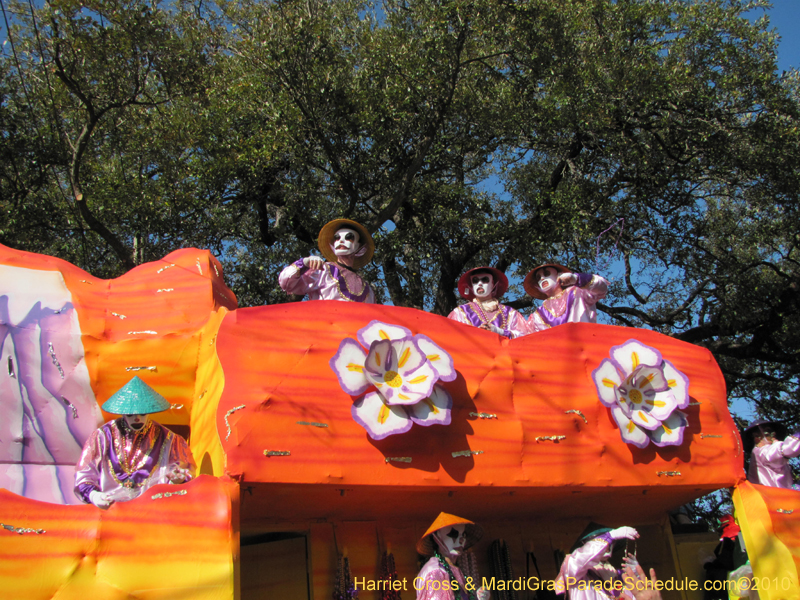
(623, 533)
(179, 475)
(100, 500)
(315, 263)
(567, 279)
(494, 328)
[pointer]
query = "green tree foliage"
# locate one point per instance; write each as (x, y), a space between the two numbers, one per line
(461, 132)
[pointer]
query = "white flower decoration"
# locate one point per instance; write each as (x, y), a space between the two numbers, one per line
(644, 392)
(403, 370)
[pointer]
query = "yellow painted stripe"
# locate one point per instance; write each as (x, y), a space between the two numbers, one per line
(635, 359)
(378, 360)
(608, 383)
(355, 367)
(431, 405)
(403, 397)
(383, 414)
(631, 426)
(383, 334)
(432, 357)
(667, 429)
(419, 379)
(404, 357)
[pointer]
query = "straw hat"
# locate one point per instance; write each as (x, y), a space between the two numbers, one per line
(465, 285)
(473, 532)
(530, 285)
(325, 241)
(135, 398)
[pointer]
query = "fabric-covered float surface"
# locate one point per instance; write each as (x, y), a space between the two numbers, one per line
(463, 420)
(69, 340)
(173, 542)
(527, 430)
(768, 518)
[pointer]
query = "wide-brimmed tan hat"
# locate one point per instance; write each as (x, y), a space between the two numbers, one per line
(465, 285)
(473, 533)
(530, 285)
(325, 241)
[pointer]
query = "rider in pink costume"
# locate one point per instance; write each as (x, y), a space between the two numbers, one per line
(586, 568)
(440, 579)
(483, 287)
(770, 451)
(126, 456)
(568, 297)
(346, 246)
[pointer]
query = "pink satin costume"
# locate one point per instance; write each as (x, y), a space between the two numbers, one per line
(123, 462)
(769, 464)
(576, 304)
(332, 282)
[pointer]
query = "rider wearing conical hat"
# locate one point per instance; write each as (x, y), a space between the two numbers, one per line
(346, 246)
(124, 457)
(444, 541)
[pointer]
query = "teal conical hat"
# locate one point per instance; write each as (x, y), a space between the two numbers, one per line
(135, 398)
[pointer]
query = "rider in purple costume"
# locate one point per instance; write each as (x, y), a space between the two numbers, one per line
(347, 246)
(568, 297)
(124, 457)
(483, 286)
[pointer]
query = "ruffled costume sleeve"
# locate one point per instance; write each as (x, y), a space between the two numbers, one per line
(87, 471)
(517, 325)
(298, 279)
(591, 288)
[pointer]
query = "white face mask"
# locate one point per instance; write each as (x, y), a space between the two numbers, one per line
(452, 539)
(345, 242)
(482, 286)
(136, 422)
(547, 280)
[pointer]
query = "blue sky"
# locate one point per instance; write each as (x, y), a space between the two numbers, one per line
(785, 17)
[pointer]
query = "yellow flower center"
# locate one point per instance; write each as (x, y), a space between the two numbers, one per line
(635, 396)
(393, 379)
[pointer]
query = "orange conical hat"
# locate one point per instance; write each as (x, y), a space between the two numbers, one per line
(426, 545)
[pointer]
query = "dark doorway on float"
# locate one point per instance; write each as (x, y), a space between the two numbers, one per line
(275, 565)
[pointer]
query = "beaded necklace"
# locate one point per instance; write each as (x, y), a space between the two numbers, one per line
(454, 585)
(486, 320)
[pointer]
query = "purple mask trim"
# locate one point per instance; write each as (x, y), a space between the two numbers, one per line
(337, 275)
(140, 476)
(552, 321)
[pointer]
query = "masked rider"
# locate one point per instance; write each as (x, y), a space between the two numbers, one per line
(568, 297)
(482, 287)
(346, 246)
(124, 457)
(445, 541)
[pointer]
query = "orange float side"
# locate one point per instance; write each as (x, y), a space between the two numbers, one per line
(768, 518)
(548, 436)
(173, 542)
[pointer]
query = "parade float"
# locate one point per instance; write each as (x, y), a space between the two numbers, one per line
(328, 435)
